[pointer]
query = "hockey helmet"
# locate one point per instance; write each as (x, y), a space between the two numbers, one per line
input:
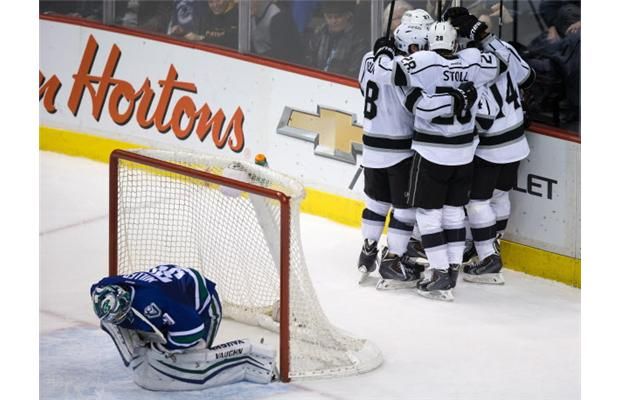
(406, 35)
(417, 17)
(112, 303)
(442, 36)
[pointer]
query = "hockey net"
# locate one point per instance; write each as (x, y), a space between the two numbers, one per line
(242, 233)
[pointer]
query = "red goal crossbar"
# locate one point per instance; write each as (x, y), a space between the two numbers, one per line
(285, 221)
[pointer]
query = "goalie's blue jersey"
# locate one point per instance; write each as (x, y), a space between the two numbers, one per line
(181, 303)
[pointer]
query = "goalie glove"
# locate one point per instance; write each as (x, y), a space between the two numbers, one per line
(384, 46)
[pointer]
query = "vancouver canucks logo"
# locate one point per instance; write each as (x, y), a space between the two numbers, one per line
(152, 311)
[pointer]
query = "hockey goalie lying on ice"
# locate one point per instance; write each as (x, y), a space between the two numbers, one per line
(163, 323)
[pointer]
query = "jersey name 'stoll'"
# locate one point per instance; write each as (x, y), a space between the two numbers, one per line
(447, 139)
(179, 302)
(388, 113)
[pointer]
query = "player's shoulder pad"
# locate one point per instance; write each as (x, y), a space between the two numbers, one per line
(470, 55)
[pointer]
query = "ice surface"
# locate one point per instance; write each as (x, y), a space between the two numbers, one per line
(517, 341)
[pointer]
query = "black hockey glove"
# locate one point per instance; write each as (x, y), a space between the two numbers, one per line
(468, 26)
(464, 97)
(384, 45)
(453, 12)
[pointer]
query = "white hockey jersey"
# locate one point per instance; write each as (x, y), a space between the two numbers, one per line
(505, 140)
(388, 117)
(447, 139)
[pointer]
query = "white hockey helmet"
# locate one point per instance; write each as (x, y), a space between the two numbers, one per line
(405, 35)
(112, 303)
(442, 36)
(417, 17)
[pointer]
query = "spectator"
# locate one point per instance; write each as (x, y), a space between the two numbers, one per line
(335, 46)
(187, 19)
(222, 23)
(555, 57)
(302, 12)
(274, 33)
(151, 16)
(400, 6)
(80, 9)
(561, 17)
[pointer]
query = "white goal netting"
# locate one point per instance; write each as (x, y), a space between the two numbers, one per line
(234, 239)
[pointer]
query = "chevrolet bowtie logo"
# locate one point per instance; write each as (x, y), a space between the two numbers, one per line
(334, 133)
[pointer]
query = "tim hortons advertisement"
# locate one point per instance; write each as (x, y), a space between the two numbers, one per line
(163, 95)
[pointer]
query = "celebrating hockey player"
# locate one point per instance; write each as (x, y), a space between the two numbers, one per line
(444, 150)
(417, 17)
(387, 157)
(163, 323)
(502, 146)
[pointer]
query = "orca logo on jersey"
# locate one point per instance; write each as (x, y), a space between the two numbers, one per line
(334, 133)
(152, 311)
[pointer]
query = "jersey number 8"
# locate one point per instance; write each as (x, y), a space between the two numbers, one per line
(372, 94)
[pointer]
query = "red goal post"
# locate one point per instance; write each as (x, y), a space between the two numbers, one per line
(160, 199)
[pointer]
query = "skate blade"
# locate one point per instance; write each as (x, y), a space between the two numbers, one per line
(443, 295)
(489, 279)
(364, 276)
(393, 284)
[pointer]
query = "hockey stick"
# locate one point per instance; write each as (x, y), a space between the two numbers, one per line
(356, 177)
(389, 22)
(501, 18)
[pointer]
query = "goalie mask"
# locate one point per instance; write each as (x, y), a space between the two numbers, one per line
(112, 303)
(442, 36)
(406, 35)
(417, 17)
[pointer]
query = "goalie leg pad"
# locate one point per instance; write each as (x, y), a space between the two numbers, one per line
(128, 343)
(200, 368)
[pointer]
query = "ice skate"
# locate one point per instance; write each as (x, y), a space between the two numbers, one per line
(453, 272)
(368, 259)
(496, 245)
(415, 249)
(436, 285)
(470, 255)
(395, 274)
(485, 271)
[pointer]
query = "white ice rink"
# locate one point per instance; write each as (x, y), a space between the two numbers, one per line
(518, 341)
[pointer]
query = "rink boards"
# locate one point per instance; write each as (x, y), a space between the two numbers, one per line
(105, 88)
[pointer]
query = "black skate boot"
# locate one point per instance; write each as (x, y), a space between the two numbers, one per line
(395, 274)
(496, 244)
(485, 271)
(368, 259)
(415, 249)
(453, 271)
(437, 285)
(470, 256)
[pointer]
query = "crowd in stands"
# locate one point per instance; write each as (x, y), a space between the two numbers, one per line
(333, 35)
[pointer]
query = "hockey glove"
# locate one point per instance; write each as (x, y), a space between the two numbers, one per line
(468, 26)
(454, 12)
(384, 45)
(464, 97)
